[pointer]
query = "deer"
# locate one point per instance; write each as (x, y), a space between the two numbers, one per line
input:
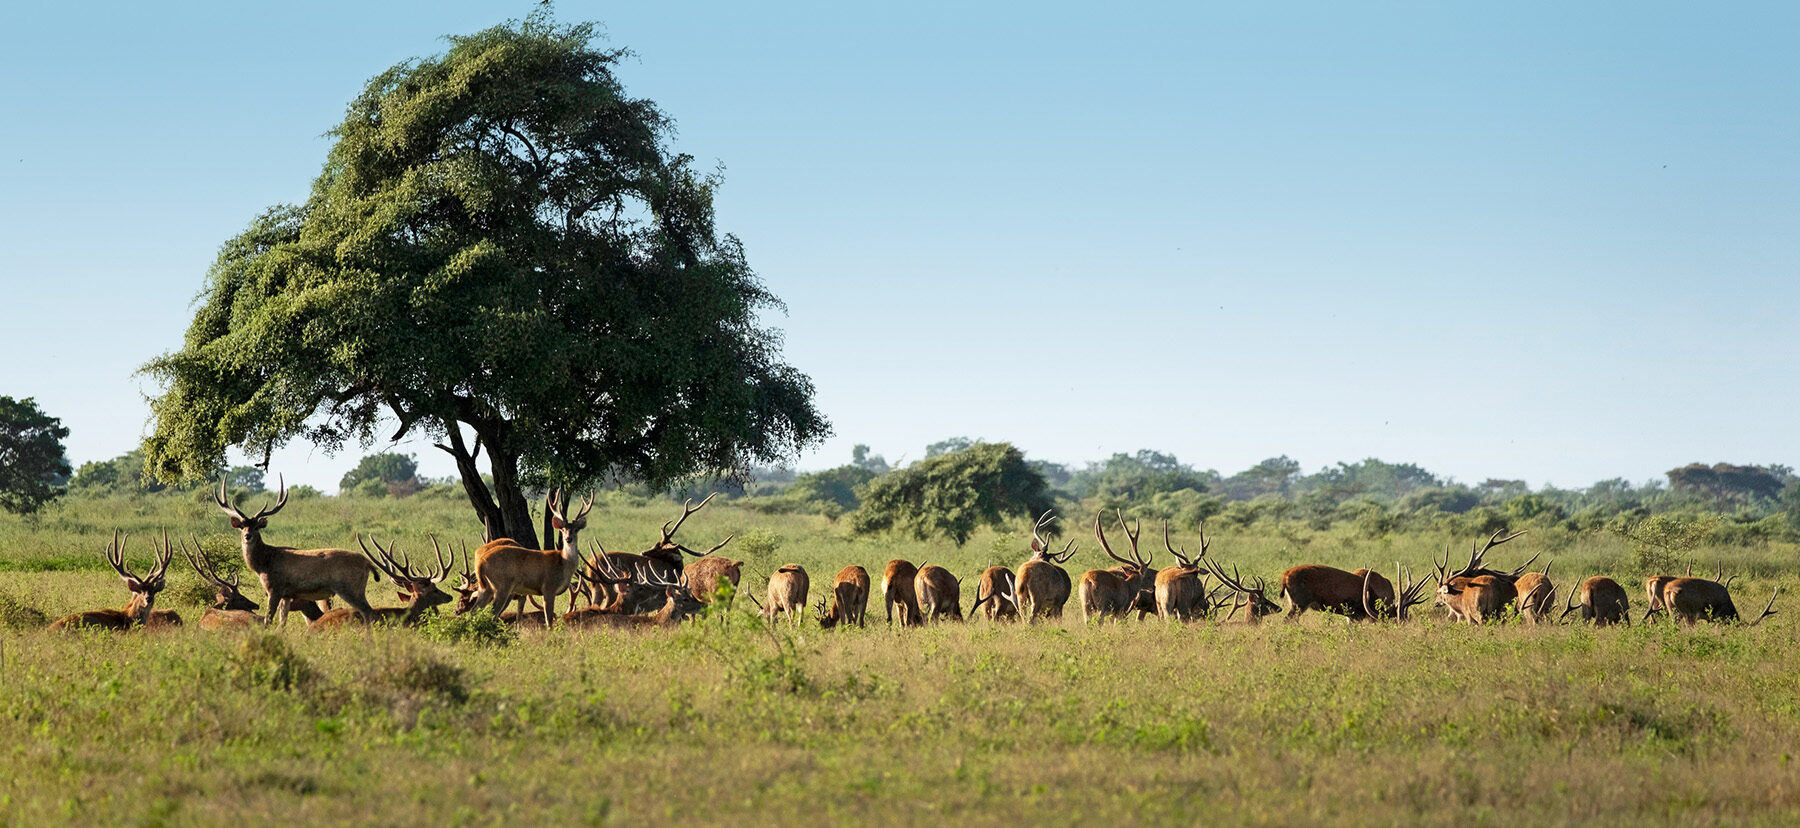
(1454, 588)
(996, 582)
(137, 613)
(1653, 591)
(1603, 602)
(610, 591)
(1691, 600)
(1379, 599)
(230, 608)
(678, 604)
(938, 592)
(849, 599)
(1253, 600)
(1043, 585)
(1181, 589)
(898, 589)
(1113, 592)
(421, 590)
(291, 576)
(786, 593)
(1329, 589)
(504, 570)
(664, 558)
(1537, 595)
(706, 575)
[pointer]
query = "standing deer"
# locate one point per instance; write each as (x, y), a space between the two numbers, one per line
(787, 593)
(297, 575)
(1000, 603)
(939, 593)
(230, 608)
(664, 559)
(706, 575)
(849, 598)
(421, 590)
(1603, 602)
(1113, 592)
(502, 571)
(1181, 589)
(1653, 590)
(897, 588)
(1537, 595)
(137, 611)
(1469, 592)
(1043, 586)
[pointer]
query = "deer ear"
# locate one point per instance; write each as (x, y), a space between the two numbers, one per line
(556, 522)
(237, 524)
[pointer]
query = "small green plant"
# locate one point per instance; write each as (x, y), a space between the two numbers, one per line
(18, 615)
(264, 660)
(483, 629)
(761, 543)
(1663, 543)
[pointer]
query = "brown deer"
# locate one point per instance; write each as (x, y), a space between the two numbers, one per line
(1113, 592)
(1653, 590)
(613, 592)
(706, 575)
(1692, 600)
(1474, 599)
(664, 558)
(1253, 600)
(230, 608)
(939, 593)
(849, 599)
(1603, 602)
(787, 593)
(678, 605)
(137, 611)
(1328, 589)
(1181, 589)
(898, 588)
(1381, 602)
(420, 590)
(1043, 586)
(503, 571)
(1000, 604)
(1537, 595)
(290, 575)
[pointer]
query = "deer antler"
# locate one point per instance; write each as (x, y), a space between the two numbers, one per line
(1038, 544)
(266, 511)
(1767, 610)
(687, 508)
(1131, 534)
(1569, 604)
(1171, 547)
(1100, 534)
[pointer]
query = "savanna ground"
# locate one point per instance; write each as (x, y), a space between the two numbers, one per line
(726, 721)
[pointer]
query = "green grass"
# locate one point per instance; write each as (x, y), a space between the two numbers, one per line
(729, 722)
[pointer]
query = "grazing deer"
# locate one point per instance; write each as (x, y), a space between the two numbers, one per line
(1379, 599)
(137, 611)
(1691, 600)
(1253, 600)
(1181, 589)
(849, 598)
(664, 558)
(230, 608)
(1476, 599)
(898, 588)
(1043, 586)
(503, 571)
(1113, 592)
(1478, 557)
(1653, 591)
(1000, 603)
(939, 593)
(1329, 589)
(290, 575)
(1603, 602)
(421, 590)
(787, 593)
(1537, 595)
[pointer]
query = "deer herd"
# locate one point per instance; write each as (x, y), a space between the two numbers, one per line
(660, 587)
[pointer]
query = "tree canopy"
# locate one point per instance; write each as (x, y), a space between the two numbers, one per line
(501, 252)
(33, 467)
(952, 494)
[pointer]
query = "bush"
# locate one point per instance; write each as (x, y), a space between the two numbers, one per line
(760, 543)
(18, 615)
(264, 660)
(483, 629)
(407, 678)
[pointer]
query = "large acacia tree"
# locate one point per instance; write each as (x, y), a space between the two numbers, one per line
(501, 252)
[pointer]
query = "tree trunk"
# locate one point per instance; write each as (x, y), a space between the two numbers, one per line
(502, 510)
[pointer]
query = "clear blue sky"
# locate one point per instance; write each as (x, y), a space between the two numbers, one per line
(1548, 241)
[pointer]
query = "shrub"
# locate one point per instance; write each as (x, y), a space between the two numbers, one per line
(18, 615)
(264, 660)
(483, 629)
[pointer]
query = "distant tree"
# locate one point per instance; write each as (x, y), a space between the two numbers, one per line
(861, 458)
(379, 470)
(125, 474)
(953, 494)
(1125, 478)
(946, 446)
(1273, 476)
(1368, 477)
(1725, 483)
(1503, 490)
(247, 478)
(1453, 500)
(501, 252)
(836, 486)
(33, 466)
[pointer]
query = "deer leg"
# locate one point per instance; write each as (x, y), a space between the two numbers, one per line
(549, 606)
(501, 596)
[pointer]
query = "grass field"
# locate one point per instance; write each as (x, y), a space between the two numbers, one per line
(727, 721)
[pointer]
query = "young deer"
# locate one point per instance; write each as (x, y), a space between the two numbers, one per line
(502, 571)
(421, 591)
(137, 611)
(296, 575)
(1043, 586)
(230, 608)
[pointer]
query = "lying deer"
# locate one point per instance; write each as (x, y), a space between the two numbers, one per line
(230, 608)
(137, 611)
(421, 590)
